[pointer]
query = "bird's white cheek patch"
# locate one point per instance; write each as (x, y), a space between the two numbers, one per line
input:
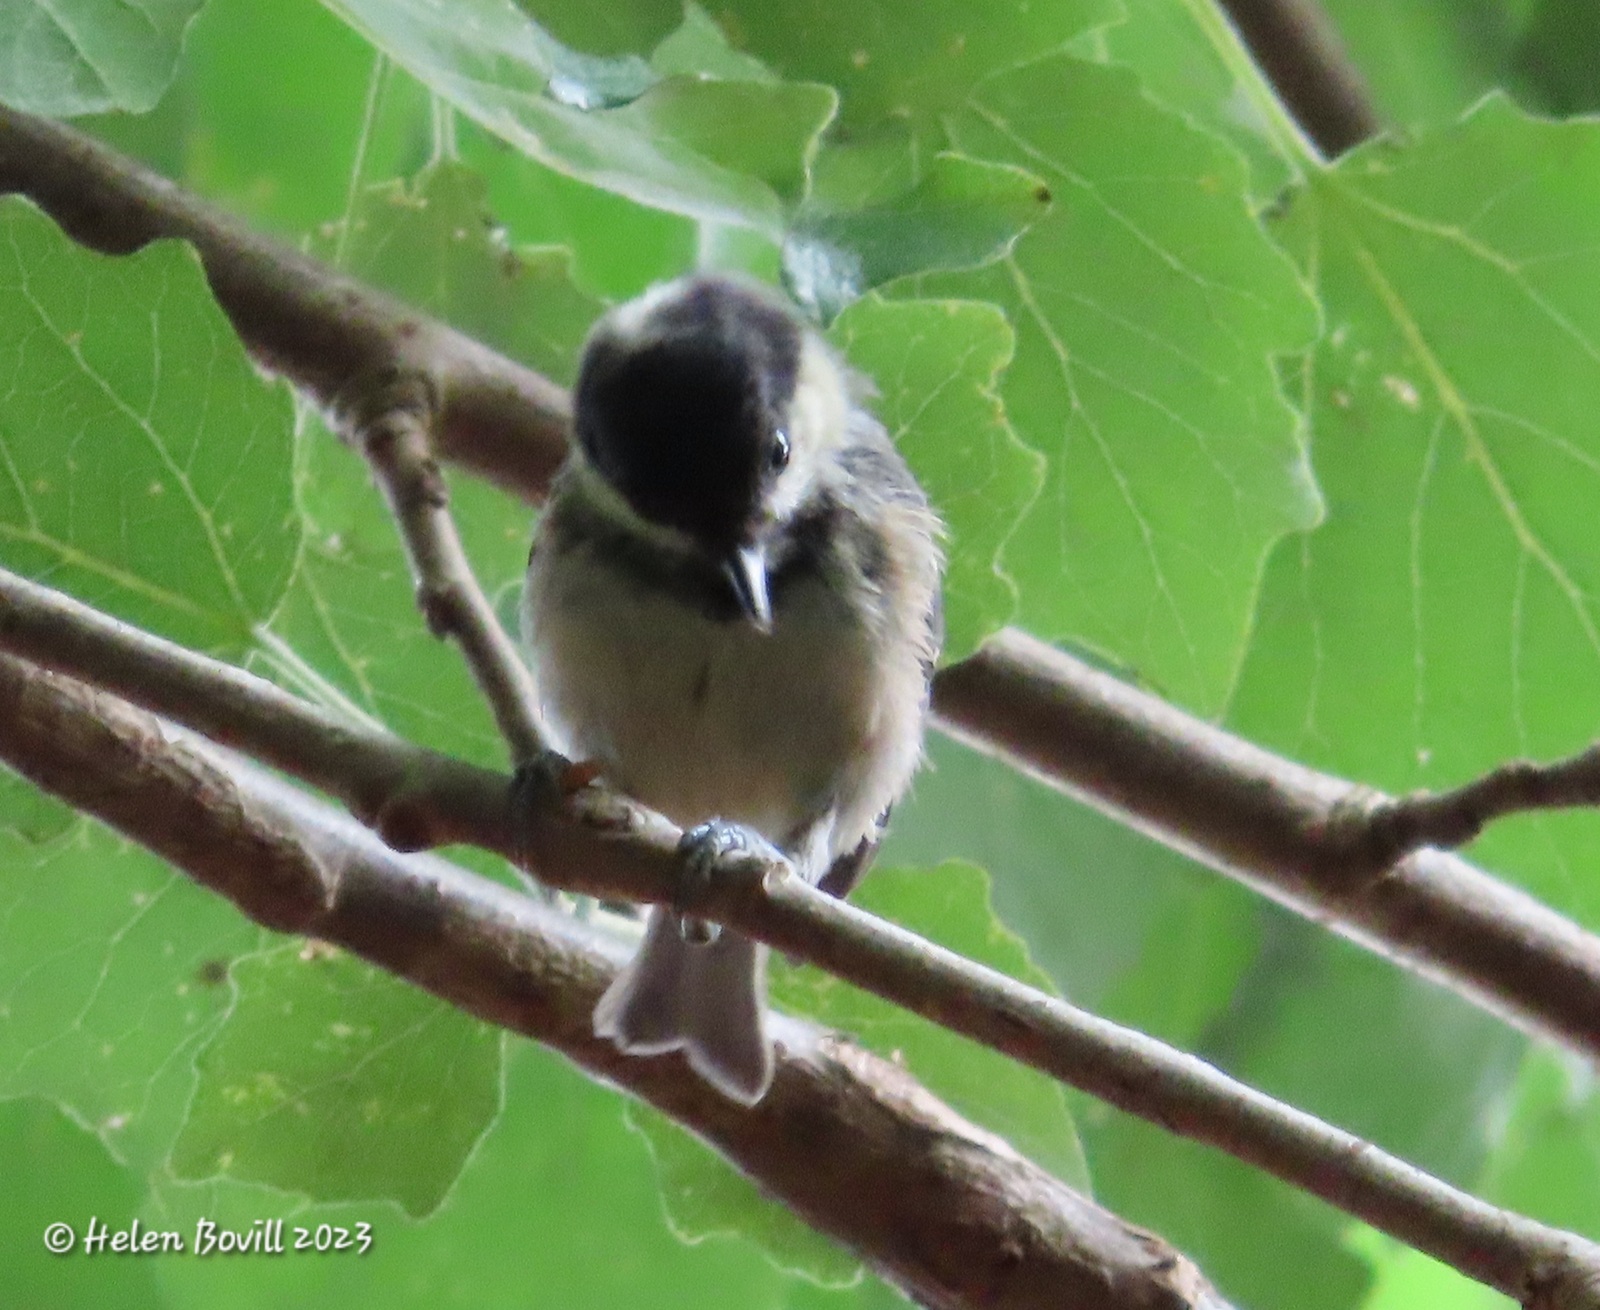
(819, 422)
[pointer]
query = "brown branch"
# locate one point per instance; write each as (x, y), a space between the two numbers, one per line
(848, 1140)
(1302, 56)
(1319, 844)
(436, 800)
(1451, 819)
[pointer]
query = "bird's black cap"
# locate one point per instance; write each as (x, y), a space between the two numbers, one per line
(681, 412)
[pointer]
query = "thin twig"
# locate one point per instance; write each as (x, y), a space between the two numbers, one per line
(390, 418)
(1451, 819)
(848, 1140)
(443, 800)
(1302, 56)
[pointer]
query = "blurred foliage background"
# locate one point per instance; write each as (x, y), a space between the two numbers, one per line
(1308, 448)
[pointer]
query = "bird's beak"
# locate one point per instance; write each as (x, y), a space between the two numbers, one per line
(746, 570)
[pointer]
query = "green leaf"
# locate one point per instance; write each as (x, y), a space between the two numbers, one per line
(434, 242)
(1552, 68)
(962, 214)
(1148, 306)
(706, 1197)
(348, 634)
(937, 365)
(1216, 1210)
(1447, 615)
(260, 81)
(1426, 61)
(144, 465)
(66, 57)
(255, 84)
(114, 971)
(58, 1173)
(1408, 1280)
(560, 1198)
(697, 48)
(336, 1080)
(1189, 58)
(1551, 1147)
(30, 815)
(618, 248)
(1394, 1078)
(764, 130)
(1123, 925)
(571, 112)
(901, 64)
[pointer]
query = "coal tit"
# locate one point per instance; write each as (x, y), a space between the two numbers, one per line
(732, 612)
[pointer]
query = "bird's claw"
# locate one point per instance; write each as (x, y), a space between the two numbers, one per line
(548, 781)
(551, 778)
(709, 853)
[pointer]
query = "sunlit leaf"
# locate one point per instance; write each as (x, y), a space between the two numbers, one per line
(1149, 308)
(1447, 615)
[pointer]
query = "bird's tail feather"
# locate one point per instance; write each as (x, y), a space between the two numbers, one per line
(702, 996)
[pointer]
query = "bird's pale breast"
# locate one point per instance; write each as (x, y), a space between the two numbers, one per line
(701, 718)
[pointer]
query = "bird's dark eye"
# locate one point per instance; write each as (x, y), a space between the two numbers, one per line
(778, 454)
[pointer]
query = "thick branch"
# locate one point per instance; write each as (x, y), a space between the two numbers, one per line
(1318, 844)
(848, 1140)
(1302, 56)
(436, 800)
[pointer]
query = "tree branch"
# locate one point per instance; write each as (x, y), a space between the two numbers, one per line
(1302, 56)
(390, 418)
(1293, 833)
(1450, 819)
(434, 799)
(848, 1140)
(1320, 845)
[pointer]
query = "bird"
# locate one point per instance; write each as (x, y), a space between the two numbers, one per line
(732, 613)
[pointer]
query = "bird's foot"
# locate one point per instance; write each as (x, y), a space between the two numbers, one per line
(550, 778)
(712, 853)
(547, 782)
